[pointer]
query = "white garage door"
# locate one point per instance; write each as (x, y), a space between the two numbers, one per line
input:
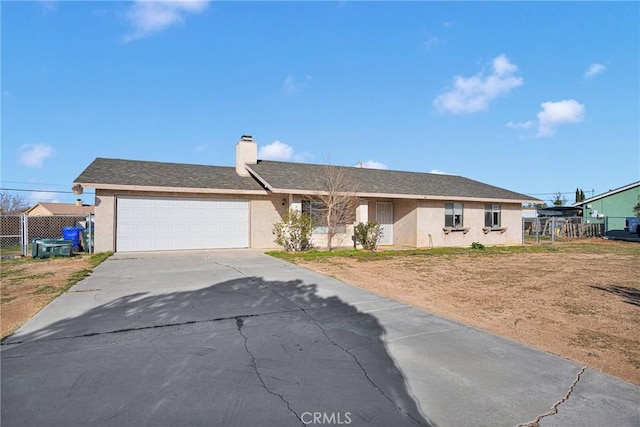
(155, 224)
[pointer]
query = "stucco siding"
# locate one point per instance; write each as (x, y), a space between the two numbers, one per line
(104, 218)
(264, 213)
(431, 223)
(405, 222)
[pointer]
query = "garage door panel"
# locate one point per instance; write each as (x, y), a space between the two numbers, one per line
(169, 224)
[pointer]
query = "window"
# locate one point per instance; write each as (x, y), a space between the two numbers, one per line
(316, 211)
(453, 215)
(492, 216)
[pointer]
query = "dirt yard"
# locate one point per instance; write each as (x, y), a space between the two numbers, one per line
(27, 285)
(581, 302)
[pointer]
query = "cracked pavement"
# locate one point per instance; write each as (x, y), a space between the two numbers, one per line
(236, 338)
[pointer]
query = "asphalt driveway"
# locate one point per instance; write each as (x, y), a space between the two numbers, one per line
(236, 338)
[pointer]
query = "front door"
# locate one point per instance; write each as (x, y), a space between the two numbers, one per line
(384, 216)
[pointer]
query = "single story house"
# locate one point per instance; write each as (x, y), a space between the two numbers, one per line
(49, 209)
(611, 207)
(147, 206)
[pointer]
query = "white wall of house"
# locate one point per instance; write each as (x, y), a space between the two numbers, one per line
(431, 220)
(264, 212)
(417, 223)
(105, 216)
(405, 220)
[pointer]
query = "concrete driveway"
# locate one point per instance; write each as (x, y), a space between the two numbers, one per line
(236, 338)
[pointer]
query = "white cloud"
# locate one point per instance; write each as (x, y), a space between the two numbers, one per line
(438, 172)
(372, 164)
(594, 70)
(291, 85)
(43, 196)
(47, 5)
(556, 113)
(34, 155)
(149, 17)
(473, 94)
(276, 151)
(431, 42)
(521, 125)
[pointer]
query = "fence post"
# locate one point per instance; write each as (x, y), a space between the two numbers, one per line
(89, 249)
(24, 234)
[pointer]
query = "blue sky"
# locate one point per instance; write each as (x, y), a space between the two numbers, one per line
(536, 97)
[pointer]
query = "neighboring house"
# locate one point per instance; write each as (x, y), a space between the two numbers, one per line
(142, 206)
(611, 207)
(559, 211)
(47, 209)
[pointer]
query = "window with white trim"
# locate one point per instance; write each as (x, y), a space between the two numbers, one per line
(492, 216)
(315, 210)
(453, 215)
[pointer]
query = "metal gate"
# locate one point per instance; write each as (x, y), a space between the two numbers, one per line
(17, 232)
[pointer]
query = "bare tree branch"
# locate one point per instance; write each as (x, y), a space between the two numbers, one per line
(12, 204)
(337, 191)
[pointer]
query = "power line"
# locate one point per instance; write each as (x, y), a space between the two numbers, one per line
(33, 183)
(39, 191)
(550, 194)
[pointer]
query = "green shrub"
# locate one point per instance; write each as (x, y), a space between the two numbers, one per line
(293, 233)
(368, 234)
(477, 245)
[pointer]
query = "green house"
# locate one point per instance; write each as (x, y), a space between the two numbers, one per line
(611, 208)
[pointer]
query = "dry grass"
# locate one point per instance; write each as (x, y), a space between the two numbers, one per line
(27, 285)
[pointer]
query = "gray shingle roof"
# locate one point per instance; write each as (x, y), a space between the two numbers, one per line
(159, 174)
(284, 177)
(304, 177)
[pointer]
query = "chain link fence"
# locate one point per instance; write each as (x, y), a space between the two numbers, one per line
(19, 231)
(548, 230)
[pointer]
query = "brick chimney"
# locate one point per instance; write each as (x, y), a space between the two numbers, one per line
(246, 154)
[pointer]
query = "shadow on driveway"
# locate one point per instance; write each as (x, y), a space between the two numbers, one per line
(241, 352)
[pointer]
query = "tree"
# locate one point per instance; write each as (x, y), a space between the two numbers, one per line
(580, 197)
(559, 199)
(12, 204)
(337, 195)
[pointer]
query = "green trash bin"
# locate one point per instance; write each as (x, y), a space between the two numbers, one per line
(46, 248)
(87, 241)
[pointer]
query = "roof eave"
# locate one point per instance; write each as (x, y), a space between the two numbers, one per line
(158, 189)
(608, 193)
(408, 196)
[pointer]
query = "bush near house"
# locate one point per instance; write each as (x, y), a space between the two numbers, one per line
(368, 234)
(293, 233)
